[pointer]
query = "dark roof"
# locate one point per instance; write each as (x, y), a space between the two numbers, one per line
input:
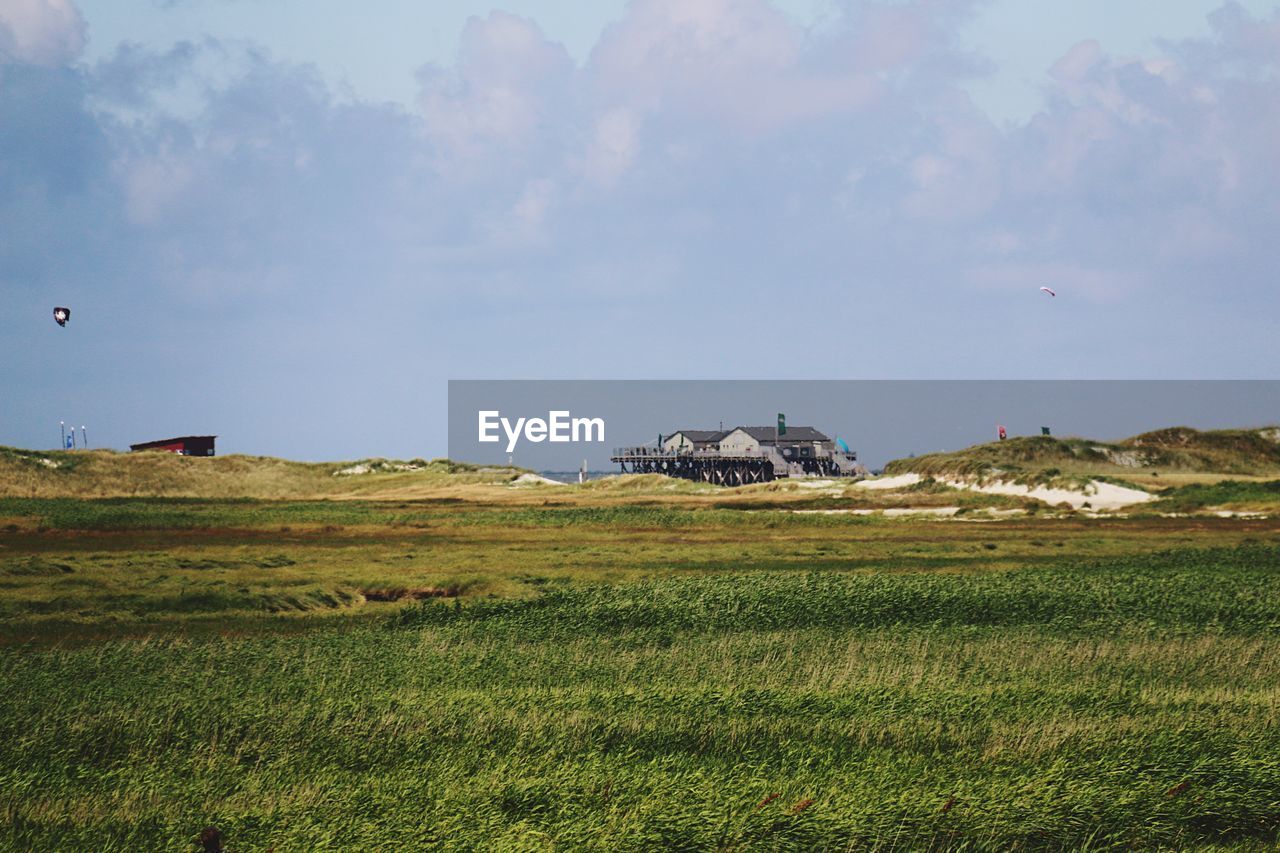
(793, 433)
(165, 441)
(701, 434)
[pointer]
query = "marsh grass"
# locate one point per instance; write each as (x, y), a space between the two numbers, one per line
(1222, 589)
(618, 672)
(726, 713)
(70, 567)
(1229, 494)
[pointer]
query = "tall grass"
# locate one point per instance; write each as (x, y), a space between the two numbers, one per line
(1236, 589)
(1133, 708)
(105, 473)
(1231, 494)
(80, 567)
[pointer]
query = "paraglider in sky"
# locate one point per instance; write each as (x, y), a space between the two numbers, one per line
(61, 316)
(1048, 291)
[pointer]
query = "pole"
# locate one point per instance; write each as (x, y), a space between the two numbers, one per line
(84, 437)
(63, 425)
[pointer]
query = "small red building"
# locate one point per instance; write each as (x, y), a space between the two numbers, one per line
(187, 445)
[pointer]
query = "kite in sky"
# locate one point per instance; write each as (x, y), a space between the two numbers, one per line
(61, 316)
(1048, 291)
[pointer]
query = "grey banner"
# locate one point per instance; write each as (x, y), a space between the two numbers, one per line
(879, 420)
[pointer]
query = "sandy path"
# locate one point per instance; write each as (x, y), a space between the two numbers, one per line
(1097, 495)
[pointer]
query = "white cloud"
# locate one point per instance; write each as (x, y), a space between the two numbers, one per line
(613, 147)
(152, 184)
(736, 61)
(41, 32)
(708, 152)
(501, 100)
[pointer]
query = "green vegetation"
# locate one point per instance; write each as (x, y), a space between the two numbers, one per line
(199, 513)
(1160, 459)
(1228, 495)
(1232, 451)
(798, 712)
(107, 473)
(1225, 588)
(73, 568)
(456, 660)
(1151, 460)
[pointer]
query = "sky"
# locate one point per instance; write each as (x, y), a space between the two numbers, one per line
(290, 223)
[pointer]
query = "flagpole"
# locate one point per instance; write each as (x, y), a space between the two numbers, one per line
(63, 426)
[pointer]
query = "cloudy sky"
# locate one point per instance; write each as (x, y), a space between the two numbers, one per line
(290, 222)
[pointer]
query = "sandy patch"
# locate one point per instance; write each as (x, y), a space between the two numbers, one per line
(938, 511)
(898, 482)
(1097, 495)
(996, 512)
(817, 484)
(895, 512)
(823, 511)
(380, 467)
(535, 480)
(1124, 458)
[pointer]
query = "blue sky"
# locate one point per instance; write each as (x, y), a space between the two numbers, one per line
(290, 223)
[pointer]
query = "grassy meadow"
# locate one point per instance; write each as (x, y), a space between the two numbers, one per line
(1159, 460)
(427, 660)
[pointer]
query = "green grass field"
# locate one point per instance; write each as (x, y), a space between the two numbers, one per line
(617, 669)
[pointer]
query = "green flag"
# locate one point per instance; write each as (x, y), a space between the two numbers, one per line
(1044, 430)
(782, 424)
